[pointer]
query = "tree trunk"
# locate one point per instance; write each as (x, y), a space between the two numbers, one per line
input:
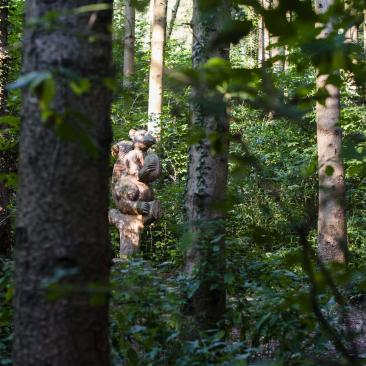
(5, 237)
(129, 45)
(351, 33)
(332, 231)
(157, 67)
(279, 65)
(286, 65)
(4, 64)
(261, 41)
(62, 248)
(207, 179)
(172, 20)
(264, 37)
(364, 31)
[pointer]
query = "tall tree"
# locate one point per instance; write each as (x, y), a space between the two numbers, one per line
(5, 239)
(276, 50)
(4, 57)
(332, 230)
(157, 66)
(173, 18)
(364, 31)
(264, 53)
(352, 32)
(129, 44)
(208, 169)
(62, 246)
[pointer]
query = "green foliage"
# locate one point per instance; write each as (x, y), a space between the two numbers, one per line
(6, 296)
(145, 313)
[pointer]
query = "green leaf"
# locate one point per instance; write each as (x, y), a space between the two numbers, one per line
(32, 79)
(80, 87)
(91, 8)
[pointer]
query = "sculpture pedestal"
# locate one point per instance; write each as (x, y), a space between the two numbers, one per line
(129, 227)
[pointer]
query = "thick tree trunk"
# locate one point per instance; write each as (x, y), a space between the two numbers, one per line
(173, 18)
(129, 45)
(157, 66)
(207, 179)
(332, 230)
(5, 238)
(62, 218)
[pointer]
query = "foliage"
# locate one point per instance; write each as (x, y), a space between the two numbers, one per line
(6, 295)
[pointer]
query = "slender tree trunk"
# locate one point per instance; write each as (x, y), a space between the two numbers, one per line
(129, 45)
(332, 230)
(62, 241)
(207, 179)
(264, 37)
(364, 31)
(157, 67)
(172, 20)
(287, 64)
(267, 36)
(5, 237)
(261, 41)
(351, 33)
(4, 64)
(151, 15)
(279, 65)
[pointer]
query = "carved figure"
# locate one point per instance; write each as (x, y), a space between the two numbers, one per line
(134, 171)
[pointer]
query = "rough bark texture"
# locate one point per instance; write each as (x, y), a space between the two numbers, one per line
(5, 238)
(173, 18)
(207, 179)
(157, 66)
(4, 65)
(332, 231)
(62, 217)
(129, 45)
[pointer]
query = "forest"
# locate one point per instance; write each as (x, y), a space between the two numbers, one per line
(182, 182)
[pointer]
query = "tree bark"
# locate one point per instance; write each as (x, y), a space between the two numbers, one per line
(129, 45)
(364, 31)
(4, 57)
(62, 215)
(207, 176)
(5, 237)
(279, 65)
(157, 67)
(264, 36)
(332, 230)
(286, 65)
(172, 20)
(351, 33)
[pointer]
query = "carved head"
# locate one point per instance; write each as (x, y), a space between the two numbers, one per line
(142, 139)
(120, 149)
